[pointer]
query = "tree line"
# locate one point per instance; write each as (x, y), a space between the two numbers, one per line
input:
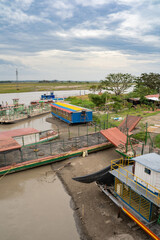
(145, 84)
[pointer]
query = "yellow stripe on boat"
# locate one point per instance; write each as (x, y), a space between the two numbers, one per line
(69, 106)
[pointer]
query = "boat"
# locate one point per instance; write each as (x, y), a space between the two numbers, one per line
(28, 136)
(134, 186)
(14, 156)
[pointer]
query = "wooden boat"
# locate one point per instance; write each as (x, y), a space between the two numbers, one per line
(134, 186)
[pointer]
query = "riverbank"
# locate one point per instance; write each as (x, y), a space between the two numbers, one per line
(22, 87)
(95, 214)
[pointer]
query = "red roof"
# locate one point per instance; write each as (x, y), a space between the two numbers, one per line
(8, 143)
(115, 136)
(151, 96)
(18, 132)
(64, 110)
(129, 122)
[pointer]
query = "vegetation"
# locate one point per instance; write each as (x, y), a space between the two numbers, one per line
(13, 87)
(117, 83)
(150, 82)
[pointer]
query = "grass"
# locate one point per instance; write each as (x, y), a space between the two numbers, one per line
(13, 87)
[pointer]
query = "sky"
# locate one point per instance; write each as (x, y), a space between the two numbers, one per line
(82, 40)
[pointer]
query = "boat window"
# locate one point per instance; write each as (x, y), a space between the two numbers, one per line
(148, 171)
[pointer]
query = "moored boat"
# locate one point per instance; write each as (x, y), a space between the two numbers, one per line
(134, 186)
(28, 136)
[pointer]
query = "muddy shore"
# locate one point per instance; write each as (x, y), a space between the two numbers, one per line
(95, 214)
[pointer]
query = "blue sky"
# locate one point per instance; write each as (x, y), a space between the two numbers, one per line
(78, 39)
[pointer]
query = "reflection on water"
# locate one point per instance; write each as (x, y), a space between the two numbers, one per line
(38, 123)
(34, 205)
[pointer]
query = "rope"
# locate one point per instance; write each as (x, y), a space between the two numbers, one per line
(6, 172)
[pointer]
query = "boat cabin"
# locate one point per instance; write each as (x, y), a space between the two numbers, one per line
(137, 185)
(147, 171)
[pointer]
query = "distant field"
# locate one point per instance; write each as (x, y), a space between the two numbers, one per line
(48, 86)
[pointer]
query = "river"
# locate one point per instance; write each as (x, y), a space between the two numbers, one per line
(27, 97)
(33, 203)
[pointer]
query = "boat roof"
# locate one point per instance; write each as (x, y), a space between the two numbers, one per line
(115, 136)
(150, 160)
(8, 143)
(18, 132)
(70, 107)
(60, 108)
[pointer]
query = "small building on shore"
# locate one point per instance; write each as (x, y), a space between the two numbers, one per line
(70, 113)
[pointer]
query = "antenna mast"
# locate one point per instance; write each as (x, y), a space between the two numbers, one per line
(17, 78)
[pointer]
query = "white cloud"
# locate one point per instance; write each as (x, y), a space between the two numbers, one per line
(87, 64)
(24, 4)
(93, 3)
(83, 33)
(15, 16)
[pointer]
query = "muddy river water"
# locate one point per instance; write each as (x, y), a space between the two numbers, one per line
(33, 203)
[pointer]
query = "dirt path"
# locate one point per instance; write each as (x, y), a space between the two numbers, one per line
(96, 214)
(152, 120)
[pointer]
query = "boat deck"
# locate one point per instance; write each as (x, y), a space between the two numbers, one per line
(125, 175)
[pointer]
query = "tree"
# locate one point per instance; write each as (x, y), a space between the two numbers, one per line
(93, 88)
(150, 80)
(117, 82)
(98, 100)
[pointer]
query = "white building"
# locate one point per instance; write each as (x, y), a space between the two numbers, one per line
(147, 171)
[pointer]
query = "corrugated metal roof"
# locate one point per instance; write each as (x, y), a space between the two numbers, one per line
(8, 143)
(129, 122)
(153, 96)
(150, 160)
(18, 132)
(70, 106)
(60, 108)
(115, 136)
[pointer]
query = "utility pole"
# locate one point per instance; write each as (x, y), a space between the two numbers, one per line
(17, 79)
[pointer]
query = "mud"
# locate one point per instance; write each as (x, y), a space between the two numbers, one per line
(96, 215)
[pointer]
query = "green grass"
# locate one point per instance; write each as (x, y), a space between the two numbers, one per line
(47, 86)
(157, 141)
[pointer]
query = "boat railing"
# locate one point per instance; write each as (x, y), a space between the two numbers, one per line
(121, 169)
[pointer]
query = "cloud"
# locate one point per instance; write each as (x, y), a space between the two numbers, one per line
(84, 33)
(93, 3)
(13, 15)
(71, 39)
(24, 4)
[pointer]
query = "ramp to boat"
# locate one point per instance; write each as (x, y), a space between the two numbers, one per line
(115, 136)
(129, 122)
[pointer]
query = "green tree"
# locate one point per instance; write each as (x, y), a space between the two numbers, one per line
(149, 80)
(98, 100)
(117, 82)
(93, 88)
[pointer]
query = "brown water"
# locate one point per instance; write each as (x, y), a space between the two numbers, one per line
(33, 203)
(38, 122)
(34, 206)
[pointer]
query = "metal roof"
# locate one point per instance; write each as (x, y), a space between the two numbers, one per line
(154, 97)
(129, 122)
(54, 105)
(18, 132)
(8, 143)
(115, 136)
(150, 160)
